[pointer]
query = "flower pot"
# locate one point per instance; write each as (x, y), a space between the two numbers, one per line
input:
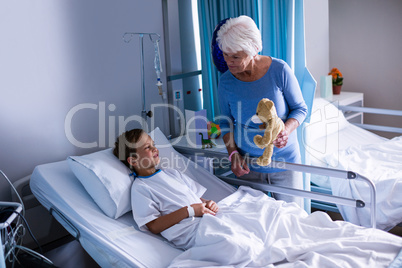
(336, 90)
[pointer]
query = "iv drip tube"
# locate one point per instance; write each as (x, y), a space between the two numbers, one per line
(127, 37)
(158, 67)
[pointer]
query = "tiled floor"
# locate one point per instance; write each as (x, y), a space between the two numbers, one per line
(71, 255)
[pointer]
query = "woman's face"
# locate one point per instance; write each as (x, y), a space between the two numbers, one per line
(237, 62)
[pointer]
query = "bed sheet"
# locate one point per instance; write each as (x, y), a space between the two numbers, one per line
(108, 241)
(280, 234)
(317, 150)
(382, 164)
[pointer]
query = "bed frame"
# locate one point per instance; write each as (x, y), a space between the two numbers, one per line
(378, 111)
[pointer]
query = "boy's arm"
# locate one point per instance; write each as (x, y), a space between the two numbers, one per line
(164, 222)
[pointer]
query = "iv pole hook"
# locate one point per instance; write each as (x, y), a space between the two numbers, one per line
(127, 37)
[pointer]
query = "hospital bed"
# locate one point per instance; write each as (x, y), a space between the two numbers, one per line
(102, 222)
(329, 140)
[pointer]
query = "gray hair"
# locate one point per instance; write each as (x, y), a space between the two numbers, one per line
(240, 34)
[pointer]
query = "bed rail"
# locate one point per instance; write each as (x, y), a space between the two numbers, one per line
(374, 111)
(333, 173)
(337, 173)
(63, 218)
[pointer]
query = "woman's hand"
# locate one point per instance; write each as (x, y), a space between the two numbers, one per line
(210, 207)
(281, 139)
(239, 166)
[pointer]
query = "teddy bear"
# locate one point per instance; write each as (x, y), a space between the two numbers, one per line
(266, 115)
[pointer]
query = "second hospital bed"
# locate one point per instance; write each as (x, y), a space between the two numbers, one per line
(102, 222)
(331, 141)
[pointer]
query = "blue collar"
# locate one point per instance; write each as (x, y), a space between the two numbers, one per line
(133, 174)
(144, 177)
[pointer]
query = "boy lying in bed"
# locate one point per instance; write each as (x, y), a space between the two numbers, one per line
(250, 228)
(164, 201)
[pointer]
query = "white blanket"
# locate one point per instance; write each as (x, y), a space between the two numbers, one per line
(253, 230)
(380, 162)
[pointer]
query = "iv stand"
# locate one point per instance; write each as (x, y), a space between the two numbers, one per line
(127, 37)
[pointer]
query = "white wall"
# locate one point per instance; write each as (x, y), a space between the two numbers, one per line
(365, 43)
(56, 55)
(317, 38)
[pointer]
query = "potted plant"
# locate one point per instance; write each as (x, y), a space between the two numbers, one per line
(337, 81)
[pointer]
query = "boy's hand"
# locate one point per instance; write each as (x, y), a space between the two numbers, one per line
(209, 207)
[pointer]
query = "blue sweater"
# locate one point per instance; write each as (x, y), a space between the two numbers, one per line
(238, 102)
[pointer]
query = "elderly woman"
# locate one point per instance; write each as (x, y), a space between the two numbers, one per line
(250, 78)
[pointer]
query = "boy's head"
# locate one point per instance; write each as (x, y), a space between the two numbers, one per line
(136, 150)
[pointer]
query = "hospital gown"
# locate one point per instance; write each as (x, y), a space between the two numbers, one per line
(162, 193)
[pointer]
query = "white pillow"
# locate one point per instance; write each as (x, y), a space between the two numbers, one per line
(166, 151)
(106, 179)
(326, 119)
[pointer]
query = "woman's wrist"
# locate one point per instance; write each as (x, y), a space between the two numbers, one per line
(291, 124)
(232, 153)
